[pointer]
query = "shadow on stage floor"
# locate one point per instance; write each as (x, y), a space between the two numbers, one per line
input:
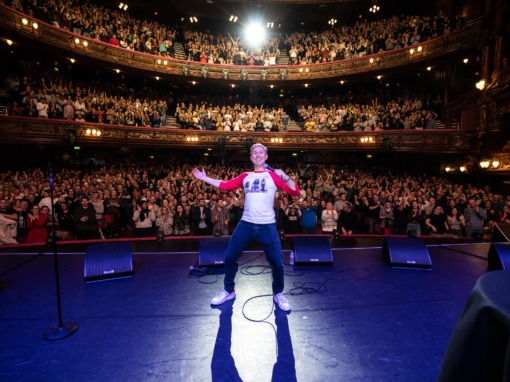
(355, 320)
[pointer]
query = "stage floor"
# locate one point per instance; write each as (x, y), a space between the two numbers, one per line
(356, 320)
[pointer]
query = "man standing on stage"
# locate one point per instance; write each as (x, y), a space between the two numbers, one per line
(257, 223)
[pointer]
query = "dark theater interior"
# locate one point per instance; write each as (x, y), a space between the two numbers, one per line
(354, 153)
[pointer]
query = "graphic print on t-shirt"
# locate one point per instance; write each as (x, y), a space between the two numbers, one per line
(258, 186)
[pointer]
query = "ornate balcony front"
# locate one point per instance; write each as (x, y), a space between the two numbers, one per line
(15, 130)
(17, 26)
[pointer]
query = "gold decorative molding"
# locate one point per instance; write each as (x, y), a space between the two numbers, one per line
(16, 130)
(442, 47)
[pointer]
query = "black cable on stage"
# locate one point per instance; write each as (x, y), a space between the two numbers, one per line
(30, 259)
(307, 288)
(460, 251)
(310, 287)
(263, 320)
(199, 273)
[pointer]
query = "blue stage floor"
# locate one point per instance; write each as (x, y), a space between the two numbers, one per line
(356, 320)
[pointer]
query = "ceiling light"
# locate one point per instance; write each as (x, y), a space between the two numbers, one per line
(480, 85)
(484, 163)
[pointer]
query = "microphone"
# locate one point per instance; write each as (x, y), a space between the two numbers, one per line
(192, 268)
(268, 167)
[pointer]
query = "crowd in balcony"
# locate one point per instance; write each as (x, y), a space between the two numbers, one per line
(376, 114)
(52, 96)
(111, 26)
(116, 27)
(145, 201)
(46, 94)
(363, 111)
(366, 38)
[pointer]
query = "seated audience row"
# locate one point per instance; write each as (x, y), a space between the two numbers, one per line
(119, 200)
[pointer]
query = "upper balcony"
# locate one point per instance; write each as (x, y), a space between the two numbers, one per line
(19, 27)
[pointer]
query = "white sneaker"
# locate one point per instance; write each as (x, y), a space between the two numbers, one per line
(282, 302)
(222, 297)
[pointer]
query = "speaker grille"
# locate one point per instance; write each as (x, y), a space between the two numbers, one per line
(312, 249)
(211, 251)
(406, 253)
(108, 261)
(499, 256)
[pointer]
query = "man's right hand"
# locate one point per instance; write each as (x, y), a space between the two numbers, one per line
(201, 175)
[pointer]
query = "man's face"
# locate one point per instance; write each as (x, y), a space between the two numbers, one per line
(3, 204)
(258, 156)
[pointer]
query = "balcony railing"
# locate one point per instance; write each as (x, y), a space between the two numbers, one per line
(11, 22)
(21, 130)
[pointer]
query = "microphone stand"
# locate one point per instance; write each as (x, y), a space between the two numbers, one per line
(64, 329)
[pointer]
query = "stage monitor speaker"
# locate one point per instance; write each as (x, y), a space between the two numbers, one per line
(108, 261)
(499, 256)
(406, 253)
(502, 232)
(312, 249)
(211, 251)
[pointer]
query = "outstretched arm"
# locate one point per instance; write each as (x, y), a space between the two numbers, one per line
(201, 175)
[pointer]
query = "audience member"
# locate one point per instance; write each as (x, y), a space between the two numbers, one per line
(37, 226)
(84, 219)
(144, 219)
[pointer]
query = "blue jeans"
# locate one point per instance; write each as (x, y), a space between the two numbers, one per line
(267, 236)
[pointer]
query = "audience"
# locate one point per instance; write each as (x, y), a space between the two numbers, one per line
(169, 199)
(339, 43)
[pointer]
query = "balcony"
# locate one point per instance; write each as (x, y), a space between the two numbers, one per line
(17, 26)
(16, 130)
